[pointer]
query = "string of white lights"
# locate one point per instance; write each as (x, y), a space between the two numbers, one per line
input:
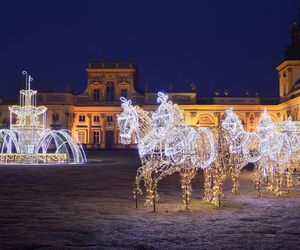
(167, 145)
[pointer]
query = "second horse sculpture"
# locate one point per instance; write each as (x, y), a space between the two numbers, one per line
(166, 145)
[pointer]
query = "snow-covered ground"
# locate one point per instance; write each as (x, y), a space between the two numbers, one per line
(91, 207)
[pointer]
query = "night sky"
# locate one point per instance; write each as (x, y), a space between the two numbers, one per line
(219, 45)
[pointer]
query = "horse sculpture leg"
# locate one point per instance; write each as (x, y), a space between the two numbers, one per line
(258, 178)
(136, 194)
(187, 174)
(208, 184)
(289, 180)
(278, 178)
(235, 180)
(219, 177)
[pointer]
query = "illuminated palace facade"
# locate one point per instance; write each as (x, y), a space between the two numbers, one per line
(91, 115)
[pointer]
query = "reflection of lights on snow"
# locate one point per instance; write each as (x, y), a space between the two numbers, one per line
(28, 141)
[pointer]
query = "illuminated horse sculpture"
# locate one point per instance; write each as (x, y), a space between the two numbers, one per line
(292, 165)
(134, 120)
(236, 148)
(186, 148)
(232, 141)
(276, 149)
(166, 145)
(268, 148)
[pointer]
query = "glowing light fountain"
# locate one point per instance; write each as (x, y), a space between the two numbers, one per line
(29, 142)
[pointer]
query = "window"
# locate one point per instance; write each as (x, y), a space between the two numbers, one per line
(110, 91)
(81, 136)
(109, 118)
(96, 137)
(96, 118)
(96, 95)
(55, 117)
(82, 118)
(124, 93)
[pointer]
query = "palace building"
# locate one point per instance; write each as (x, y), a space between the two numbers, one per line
(92, 115)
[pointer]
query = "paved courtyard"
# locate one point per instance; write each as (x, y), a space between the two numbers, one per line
(91, 207)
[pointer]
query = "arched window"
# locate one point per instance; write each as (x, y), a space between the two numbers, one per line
(124, 93)
(110, 91)
(96, 95)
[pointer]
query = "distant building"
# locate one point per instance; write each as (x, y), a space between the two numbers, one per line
(91, 115)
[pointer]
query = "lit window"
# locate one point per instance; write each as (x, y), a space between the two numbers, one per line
(96, 96)
(110, 91)
(96, 137)
(55, 117)
(82, 118)
(96, 118)
(81, 136)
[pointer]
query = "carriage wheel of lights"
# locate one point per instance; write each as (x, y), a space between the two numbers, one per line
(29, 142)
(166, 145)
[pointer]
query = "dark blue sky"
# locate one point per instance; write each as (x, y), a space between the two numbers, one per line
(217, 44)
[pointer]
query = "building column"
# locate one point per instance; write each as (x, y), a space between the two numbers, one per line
(248, 125)
(289, 83)
(68, 122)
(116, 128)
(217, 115)
(103, 130)
(89, 134)
(187, 117)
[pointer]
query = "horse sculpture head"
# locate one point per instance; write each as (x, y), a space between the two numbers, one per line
(291, 131)
(127, 121)
(234, 136)
(231, 123)
(166, 116)
(265, 127)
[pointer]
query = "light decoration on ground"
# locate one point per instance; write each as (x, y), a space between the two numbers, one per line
(166, 145)
(273, 149)
(232, 141)
(233, 155)
(27, 141)
(275, 153)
